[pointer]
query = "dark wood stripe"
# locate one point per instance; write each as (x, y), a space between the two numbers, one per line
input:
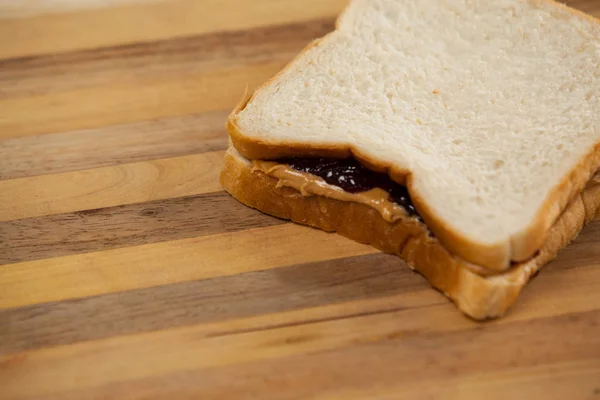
(178, 56)
(587, 6)
(127, 225)
(590, 232)
(92, 148)
(210, 300)
(318, 320)
(405, 362)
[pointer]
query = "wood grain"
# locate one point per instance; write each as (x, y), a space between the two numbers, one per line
(109, 186)
(119, 103)
(156, 60)
(204, 301)
(363, 346)
(548, 382)
(127, 225)
(126, 271)
(163, 263)
(68, 29)
(254, 293)
(11, 9)
(125, 84)
(112, 145)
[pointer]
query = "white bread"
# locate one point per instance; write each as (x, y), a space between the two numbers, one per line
(489, 111)
(478, 296)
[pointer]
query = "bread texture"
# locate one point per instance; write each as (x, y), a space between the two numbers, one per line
(488, 111)
(478, 296)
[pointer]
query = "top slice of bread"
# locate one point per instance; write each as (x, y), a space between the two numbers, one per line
(489, 111)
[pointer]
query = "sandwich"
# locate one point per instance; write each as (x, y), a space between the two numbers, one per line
(461, 135)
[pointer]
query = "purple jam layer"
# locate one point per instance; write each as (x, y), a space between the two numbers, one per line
(353, 177)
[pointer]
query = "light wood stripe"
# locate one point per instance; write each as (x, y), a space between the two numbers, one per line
(156, 264)
(551, 381)
(112, 145)
(209, 300)
(110, 186)
(123, 226)
(27, 8)
(365, 346)
(120, 103)
(556, 381)
(153, 21)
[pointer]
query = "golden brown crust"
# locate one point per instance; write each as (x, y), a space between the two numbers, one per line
(520, 247)
(478, 296)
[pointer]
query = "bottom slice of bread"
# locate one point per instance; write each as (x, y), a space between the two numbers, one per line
(476, 293)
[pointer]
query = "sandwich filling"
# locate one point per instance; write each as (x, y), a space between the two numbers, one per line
(348, 180)
(345, 180)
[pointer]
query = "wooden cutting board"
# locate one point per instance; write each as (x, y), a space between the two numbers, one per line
(126, 272)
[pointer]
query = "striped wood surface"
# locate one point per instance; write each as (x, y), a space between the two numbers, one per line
(126, 272)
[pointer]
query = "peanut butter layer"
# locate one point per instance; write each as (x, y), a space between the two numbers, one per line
(312, 185)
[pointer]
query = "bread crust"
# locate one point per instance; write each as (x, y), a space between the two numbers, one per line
(478, 296)
(497, 257)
